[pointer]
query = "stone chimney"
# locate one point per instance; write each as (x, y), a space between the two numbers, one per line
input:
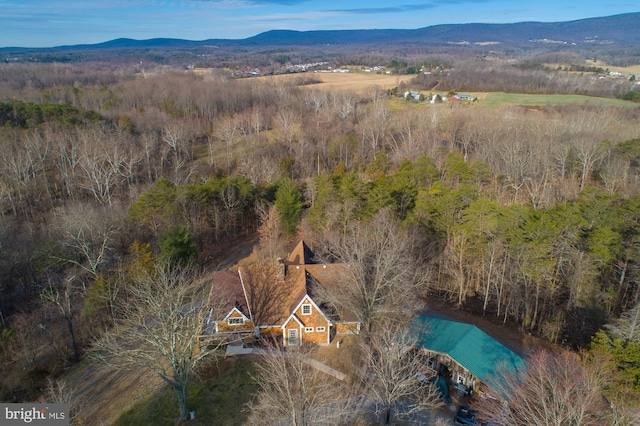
(280, 271)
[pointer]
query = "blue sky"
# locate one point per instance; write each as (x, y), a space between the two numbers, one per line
(40, 23)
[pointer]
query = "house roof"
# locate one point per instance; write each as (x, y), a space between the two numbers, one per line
(469, 346)
(329, 277)
(301, 255)
(226, 292)
(304, 273)
(301, 277)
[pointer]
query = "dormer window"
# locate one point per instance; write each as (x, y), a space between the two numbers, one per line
(306, 309)
(235, 321)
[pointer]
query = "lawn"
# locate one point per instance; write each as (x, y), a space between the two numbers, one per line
(218, 398)
(494, 99)
(499, 98)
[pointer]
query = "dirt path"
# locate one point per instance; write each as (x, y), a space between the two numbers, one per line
(233, 350)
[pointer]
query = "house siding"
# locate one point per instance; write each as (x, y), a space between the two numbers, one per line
(298, 273)
(347, 328)
(225, 327)
(271, 330)
(313, 320)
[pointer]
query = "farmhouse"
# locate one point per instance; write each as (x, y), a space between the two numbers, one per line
(295, 315)
(464, 352)
(464, 97)
(412, 95)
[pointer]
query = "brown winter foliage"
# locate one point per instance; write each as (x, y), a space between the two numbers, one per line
(107, 169)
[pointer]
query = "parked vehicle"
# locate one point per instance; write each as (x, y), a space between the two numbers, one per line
(465, 416)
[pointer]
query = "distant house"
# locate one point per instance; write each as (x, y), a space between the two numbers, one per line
(464, 97)
(412, 95)
(296, 316)
(464, 352)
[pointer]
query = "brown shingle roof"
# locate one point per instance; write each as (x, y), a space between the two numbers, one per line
(226, 292)
(330, 276)
(301, 255)
(302, 274)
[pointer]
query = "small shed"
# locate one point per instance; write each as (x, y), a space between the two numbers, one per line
(469, 354)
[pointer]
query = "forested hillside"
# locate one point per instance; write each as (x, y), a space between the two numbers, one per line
(529, 214)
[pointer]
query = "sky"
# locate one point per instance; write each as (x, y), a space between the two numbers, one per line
(48, 23)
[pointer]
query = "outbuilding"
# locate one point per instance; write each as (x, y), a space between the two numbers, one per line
(463, 353)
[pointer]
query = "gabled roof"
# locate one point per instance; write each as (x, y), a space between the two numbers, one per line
(294, 317)
(226, 288)
(329, 276)
(301, 277)
(236, 309)
(304, 273)
(469, 346)
(301, 255)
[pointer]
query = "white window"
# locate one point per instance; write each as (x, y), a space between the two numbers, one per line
(235, 321)
(320, 329)
(308, 329)
(306, 309)
(293, 337)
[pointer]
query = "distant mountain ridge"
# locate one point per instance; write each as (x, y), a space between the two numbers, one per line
(621, 29)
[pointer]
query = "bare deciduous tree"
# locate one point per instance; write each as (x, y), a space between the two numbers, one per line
(63, 297)
(627, 327)
(264, 292)
(87, 238)
(270, 231)
(61, 392)
(226, 131)
(395, 376)
(383, 276)
(292, 392)
(556, 389)
(160, 330)
(288, 125)
(373, 128)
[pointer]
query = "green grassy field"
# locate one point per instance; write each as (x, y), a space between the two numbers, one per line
(495, 99)
(218, 397)
(498, 98)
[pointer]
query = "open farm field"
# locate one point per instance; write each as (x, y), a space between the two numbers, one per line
(632, 69)
(499, 98)
(354, 81)
(494, 99)
(635, 69)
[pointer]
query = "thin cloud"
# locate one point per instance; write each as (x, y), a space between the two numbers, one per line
(251, 3)
(279, 2)
(395, 9)
(407, 7)
(294, 17)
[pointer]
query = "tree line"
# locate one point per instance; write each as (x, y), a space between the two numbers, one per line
(528, 213)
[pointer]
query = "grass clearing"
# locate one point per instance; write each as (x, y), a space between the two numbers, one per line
(218, 397)
(496, 99)
(500, 98)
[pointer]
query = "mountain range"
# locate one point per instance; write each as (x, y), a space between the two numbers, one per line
(619, 30)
